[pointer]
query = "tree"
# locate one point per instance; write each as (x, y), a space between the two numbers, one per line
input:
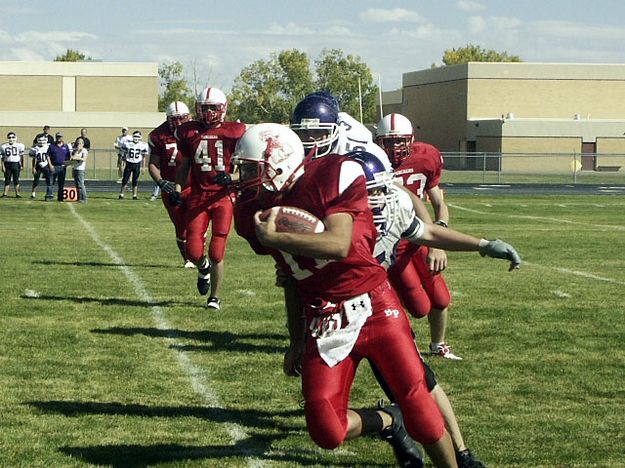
(474, 53)
(268, 90)
(173, 86)
(72, 55)
(340, 75)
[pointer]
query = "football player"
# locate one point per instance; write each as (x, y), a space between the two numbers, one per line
(351, 311)
(134, 153)
(395, 219)
(417, 273)
(12, 154)
(164, 159)
(119, 144)
(206, 146)
(41, 165)
(321, 126)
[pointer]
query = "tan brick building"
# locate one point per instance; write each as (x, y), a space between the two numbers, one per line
(101, 96)
(519, 108)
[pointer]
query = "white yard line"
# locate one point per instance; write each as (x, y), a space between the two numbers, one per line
(195, 374)
(537, 218)
(583, 274)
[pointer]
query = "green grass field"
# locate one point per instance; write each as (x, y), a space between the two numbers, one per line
(109, 358)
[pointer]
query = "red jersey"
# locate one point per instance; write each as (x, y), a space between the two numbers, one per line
(209, 149)
(163, 144)
(421, 170)
(332, 184)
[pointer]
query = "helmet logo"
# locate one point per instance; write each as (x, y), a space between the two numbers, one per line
(276, 151)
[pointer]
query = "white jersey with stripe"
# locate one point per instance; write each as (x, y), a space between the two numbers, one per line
(354, 136)
(12, 152)
(134, 152)
(39, 155)
(404, 225)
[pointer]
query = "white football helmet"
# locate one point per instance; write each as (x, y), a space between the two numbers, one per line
(394, 134)
(177, 113)
(42, 140)
(269, 155)
(136, 136)
(11, 137)
(211, 105)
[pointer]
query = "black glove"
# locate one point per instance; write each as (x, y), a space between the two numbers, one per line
(166, 186)
(223, 179)
(174, 198)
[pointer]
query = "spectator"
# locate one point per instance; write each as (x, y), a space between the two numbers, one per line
(59, 158)
(83, 135)
(119, 143)
(79, 158)
(41, 165)
(12, 163)
(45, 133)
(133, 155)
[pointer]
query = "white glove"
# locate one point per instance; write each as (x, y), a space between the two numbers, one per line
(500, 249)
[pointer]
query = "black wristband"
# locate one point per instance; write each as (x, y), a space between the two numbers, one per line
(440, 222)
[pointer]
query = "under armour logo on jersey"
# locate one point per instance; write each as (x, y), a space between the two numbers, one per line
(358, 305)
(391, 313)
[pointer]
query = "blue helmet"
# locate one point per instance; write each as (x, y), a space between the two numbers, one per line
(383, 198)
(328, 97)
(315, 120)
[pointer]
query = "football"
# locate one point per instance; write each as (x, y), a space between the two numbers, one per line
(291, 219)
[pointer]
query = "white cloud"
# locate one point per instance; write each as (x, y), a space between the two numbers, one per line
(5, 37)
(379, 15)
(288, 29)
(467, 5)
(477, 24)
(55, 36)
(567, 29)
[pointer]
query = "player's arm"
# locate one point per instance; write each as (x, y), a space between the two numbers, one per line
(450, 239)
(441, 212)
(332, 244)
(182, 173)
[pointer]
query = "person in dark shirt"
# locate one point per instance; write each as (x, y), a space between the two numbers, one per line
(59, 158)
(45, 133)
(83, 135)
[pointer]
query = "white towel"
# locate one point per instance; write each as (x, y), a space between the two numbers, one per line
(335, 344)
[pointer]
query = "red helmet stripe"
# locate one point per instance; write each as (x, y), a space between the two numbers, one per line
(392, 121)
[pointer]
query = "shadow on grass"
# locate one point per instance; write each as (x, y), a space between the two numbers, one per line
(100, 264)
(255, 446)
(111, 301)
(222, 341)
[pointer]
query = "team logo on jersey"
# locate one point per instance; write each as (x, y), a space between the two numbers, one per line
(391, 313)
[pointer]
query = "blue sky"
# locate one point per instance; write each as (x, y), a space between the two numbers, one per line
(216, 39)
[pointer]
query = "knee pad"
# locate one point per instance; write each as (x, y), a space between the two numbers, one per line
(416, 302)
(324, 425)
(195, 249)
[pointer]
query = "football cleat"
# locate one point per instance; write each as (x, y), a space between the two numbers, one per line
(465, 459)
(213, 303)
(204, 280)
(189, 264)
(443, 350)
(121, 196)
(406, 449)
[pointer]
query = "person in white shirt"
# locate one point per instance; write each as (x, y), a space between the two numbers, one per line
(119, 143)
(133, 154)
(12, 163)
(41, 165)
(79, 160)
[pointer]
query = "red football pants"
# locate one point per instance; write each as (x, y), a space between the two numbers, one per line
(385, 340)
(199, 215)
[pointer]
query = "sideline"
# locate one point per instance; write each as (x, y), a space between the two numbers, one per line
(194, 373)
